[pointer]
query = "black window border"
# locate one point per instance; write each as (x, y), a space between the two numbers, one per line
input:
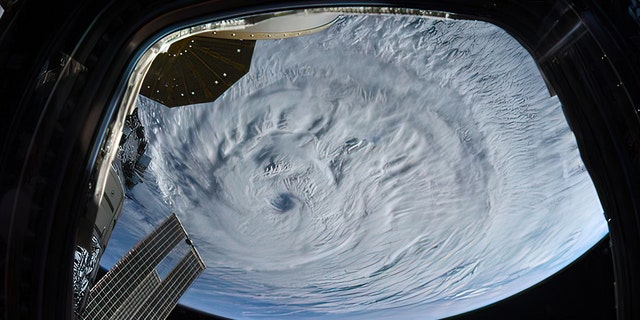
(587, 51)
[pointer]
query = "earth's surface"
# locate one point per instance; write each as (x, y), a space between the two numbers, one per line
(389, 166)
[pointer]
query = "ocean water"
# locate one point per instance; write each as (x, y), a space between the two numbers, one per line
(388, 167)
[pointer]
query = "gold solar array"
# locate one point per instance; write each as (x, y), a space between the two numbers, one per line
(197, 69)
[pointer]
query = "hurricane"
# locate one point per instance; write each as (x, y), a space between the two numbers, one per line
(389, 166)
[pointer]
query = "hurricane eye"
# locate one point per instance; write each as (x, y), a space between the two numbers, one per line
(283, 202)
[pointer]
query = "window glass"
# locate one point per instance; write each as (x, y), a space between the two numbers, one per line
(386, 165)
